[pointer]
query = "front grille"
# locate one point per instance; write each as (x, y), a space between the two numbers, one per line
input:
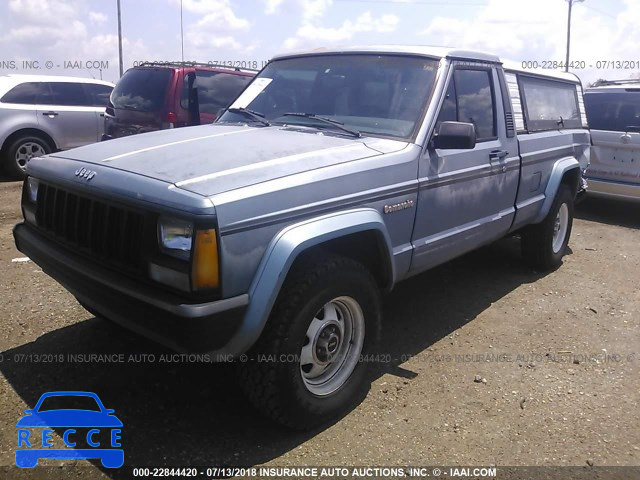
(106, 232)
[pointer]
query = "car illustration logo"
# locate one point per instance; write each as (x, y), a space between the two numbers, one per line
(87, 428)
(85, 173)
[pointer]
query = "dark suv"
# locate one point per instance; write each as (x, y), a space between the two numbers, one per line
(155, 96)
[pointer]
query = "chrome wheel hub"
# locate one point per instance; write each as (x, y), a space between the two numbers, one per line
(332, 346)
(26, 152)
(327, 343)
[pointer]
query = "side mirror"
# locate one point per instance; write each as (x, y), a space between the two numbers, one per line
(450, 135)
(109, 411)
(29, 411)
(633, 128)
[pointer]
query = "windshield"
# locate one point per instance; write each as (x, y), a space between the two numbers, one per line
(375, 94)
(142, 89)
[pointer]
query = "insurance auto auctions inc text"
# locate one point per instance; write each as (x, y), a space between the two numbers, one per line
(366, 472)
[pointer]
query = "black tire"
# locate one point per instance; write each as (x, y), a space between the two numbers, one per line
(538, 241)
(273, 378)
(26, 146)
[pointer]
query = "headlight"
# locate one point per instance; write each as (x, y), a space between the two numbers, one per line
(175, 237)
(32, 189)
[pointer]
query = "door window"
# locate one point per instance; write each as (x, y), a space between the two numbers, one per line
(549, 104)
(98, 94)
(216, 90)
(470, 99)
(63, 93)
(25, 93)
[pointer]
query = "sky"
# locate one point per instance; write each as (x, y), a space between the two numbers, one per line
(80, 37)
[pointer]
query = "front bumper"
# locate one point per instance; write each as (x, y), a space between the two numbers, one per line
(153, 313)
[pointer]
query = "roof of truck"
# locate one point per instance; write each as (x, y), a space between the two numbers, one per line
(433, 52)
(426, 50)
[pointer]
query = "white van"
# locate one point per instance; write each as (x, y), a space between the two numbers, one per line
(613, 112)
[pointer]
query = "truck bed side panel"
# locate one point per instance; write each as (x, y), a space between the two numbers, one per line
(539, 152)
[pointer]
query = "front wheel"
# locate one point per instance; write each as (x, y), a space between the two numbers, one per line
(307, 367)
(544, 244)
(21, 151)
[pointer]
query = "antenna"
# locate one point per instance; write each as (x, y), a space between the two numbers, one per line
(571, 2)
(120, 38)
(181, 32)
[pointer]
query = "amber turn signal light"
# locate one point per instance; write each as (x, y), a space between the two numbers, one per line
(205, 272)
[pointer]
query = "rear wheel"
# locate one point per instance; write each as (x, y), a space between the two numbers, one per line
(21, 150)
(544, 244)
(307, 368)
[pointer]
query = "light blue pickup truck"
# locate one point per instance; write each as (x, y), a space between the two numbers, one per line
(269, 236)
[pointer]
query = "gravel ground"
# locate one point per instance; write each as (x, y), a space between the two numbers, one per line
(484, 363)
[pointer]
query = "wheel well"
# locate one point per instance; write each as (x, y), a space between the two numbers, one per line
(29, 131)
(367, 248)
(572, 180)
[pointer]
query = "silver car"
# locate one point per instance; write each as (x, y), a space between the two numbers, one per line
(40, 114)
(613, 112)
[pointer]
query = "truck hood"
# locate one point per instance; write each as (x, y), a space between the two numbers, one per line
(216, 158)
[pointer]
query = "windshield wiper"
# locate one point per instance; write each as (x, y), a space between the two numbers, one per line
(257, 116)
(334, 123)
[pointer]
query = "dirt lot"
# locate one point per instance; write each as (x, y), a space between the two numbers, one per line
(560, 354)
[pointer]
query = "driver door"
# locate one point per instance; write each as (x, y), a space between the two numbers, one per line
(466, 197)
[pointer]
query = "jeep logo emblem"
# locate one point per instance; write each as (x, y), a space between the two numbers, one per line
(85, 173)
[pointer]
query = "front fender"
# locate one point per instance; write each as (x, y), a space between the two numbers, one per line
(561, 167)
(282, 252)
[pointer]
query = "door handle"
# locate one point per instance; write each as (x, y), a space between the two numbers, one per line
(50, 114)
(497, 155)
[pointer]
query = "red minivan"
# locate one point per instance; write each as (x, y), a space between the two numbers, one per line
(155, 96)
